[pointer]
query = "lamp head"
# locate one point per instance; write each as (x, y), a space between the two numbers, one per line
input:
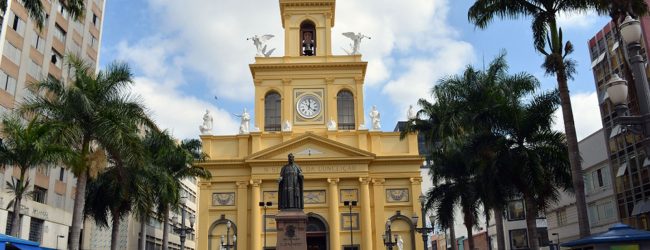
(182, 200)
(617, 90)
(630, 30)
(414, 219)
(423, 199)
(346, 203)
(354, 203)
(174, 219)
(192, 220)
(269, 203)
(228, 224)
(261, 204)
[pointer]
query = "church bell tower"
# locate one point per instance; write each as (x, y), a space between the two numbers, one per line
(309, 88)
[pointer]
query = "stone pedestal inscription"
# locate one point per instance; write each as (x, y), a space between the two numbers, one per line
(291, 230)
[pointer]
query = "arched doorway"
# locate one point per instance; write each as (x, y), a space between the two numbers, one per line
(219, 229)
(317, 232)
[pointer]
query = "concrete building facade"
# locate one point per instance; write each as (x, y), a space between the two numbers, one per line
(599, 189)
(28, 55)
(624, 148)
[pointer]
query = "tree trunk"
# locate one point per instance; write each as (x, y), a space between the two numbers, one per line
(143, 232)
(469, 223)
(452, 236)
(115, 230)
(15, 221)
(531, 222)
(571, 137)
(498, 221)
(18, 200)
(78, 211)
(165, 239)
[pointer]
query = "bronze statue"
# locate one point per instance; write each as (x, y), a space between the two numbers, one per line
(290, 186)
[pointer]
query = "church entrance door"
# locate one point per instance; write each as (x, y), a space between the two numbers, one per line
(316, 233)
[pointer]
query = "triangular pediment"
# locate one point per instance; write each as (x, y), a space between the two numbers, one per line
(310, 146)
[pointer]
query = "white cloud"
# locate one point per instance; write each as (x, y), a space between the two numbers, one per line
(577, 20)
(158, 87)
(181, 115)
(586, 114)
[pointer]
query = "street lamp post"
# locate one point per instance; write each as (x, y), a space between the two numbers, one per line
(181, 229)
(557, 245)
(617, 88)
(389, 242)
(424, 230)
(350, 204)
(265, 205)
(227, 245)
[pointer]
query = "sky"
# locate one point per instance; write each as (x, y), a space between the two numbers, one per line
(192, 55)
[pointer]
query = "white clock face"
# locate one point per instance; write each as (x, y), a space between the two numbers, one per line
(308, 106)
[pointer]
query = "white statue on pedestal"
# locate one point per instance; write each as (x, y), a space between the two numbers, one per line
(287, 126)
(260, 44)
(375, 118)
(206, 128)
(331, 125)
(400, 242)
(356, 42)
(245, 122)
(410, 114)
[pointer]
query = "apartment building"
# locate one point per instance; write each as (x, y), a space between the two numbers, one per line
(599, 190)
(624, 148)
(130, 229)
(30, 54)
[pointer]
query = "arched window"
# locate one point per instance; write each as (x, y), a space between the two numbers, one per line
(345, 110)
(307, 38)
(272, 112)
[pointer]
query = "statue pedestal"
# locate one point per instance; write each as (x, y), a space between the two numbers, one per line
(292, 230)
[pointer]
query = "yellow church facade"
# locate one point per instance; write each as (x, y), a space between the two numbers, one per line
(309, 102)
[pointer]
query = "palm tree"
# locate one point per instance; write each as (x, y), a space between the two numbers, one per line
(472, 107)
(537, 154)
(548, 40)
(97, 114)
(455, 185)
(176, 162)
(119, 191)
(26, 146)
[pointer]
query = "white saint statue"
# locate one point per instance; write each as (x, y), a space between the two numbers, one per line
(375, 118)
(410, 114)
(260, 44)
(287, 126)
(245, 122)
(355, 46)
(206, 128)
(400, 242)
(331, 125)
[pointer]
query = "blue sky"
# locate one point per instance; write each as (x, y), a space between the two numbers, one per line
(184, 53)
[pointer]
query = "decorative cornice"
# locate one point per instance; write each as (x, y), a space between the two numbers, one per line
(331, 4)
(317, 66)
